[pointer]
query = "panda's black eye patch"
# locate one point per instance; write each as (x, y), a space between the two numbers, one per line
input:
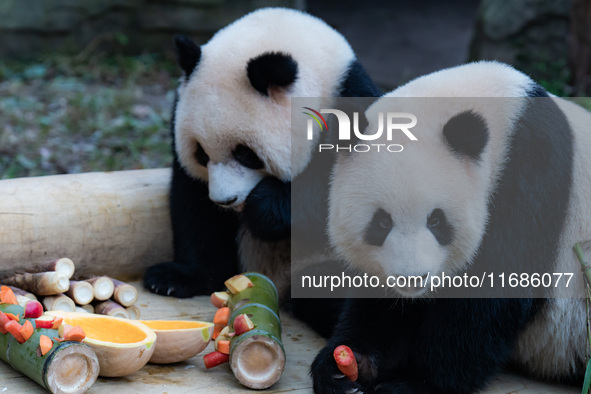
(246, 156)
(438, 224)
(379, 227)
(200, 155)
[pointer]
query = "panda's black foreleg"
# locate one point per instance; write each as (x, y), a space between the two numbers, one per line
(267, 211)
(204, 238)
(424, 346)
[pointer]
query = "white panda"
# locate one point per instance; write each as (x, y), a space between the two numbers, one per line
(233, 154)
(489, 182)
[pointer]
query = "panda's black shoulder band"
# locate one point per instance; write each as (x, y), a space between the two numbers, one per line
(271, 69)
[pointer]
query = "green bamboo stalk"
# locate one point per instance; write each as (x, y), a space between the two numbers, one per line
(257, 357)
(70, 367)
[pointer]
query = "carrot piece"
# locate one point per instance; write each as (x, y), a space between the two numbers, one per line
(224, 346)
(76, 334)
(57, 322)
(45, 344)
(27, 330)
(214, 359)
(216, 331)
(222, 316)
(14, 317)
(15, 329)
(7, 296)
(3, 320)
(346, 362)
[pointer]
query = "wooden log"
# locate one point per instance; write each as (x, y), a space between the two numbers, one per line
(69, 367)
(41, 284)
(110, 222)
(103, 287)
(81, 292)
(63, 265)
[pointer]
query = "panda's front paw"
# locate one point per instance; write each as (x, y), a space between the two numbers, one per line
(267, 210)
(173, 279)
(326, 376)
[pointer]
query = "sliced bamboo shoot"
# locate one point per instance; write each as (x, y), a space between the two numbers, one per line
(111, 308)
(41, 284)
(103, 287)
(59, 303)
(124, 294)
(63, 265)
(81, 292)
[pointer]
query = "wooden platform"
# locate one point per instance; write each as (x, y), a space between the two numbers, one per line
(301, 346)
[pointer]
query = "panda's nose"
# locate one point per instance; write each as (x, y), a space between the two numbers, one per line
(226, 203)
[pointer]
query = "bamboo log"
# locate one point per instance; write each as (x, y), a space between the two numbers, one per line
(257, 357)
(134, 312)
(41, 284)
(21, 292)
(111, 308)
(69, 367)
(103, 287)
(63, 265)
(88, 308)
(116, 220)
(59, 302)
(81, 292)
(124, 293)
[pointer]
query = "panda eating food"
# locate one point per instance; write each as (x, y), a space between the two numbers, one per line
(491, 182)
(233, 154)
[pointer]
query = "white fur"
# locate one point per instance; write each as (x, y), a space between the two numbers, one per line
(427, 175)
(219, 108)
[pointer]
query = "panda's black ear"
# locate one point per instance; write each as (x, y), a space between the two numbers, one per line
(466, 134)
(271, 69)
(187, 53)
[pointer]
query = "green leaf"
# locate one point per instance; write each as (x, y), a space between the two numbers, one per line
(587, 381)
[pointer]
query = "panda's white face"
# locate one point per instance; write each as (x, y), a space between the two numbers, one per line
(421, 211)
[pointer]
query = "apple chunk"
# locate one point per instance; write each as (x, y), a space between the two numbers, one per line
(237, 283)
(220, 299)
(242, 324)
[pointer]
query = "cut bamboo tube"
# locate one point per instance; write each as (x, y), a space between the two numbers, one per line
(134, 312)
(80, 309)
(41, 284)
(103, 287)
(81, 292)
(63, 265)
(69, 367)
(88, 308)
(124, 294)
(257, 357)
(59, 303)
(111, 308)
(119, 220)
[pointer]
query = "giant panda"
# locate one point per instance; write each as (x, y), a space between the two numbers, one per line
(488, 182)
(234, 159)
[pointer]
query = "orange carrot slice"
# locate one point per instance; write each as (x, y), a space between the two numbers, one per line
(222, 316)
(75, 334)
(7, 296)
(216, 330)
(3, 320)
(27, 330)
(45, 344)
(15, 329)
(57, 322)
(214, 359)
(346, 362)
(14, 317)
(224, 346)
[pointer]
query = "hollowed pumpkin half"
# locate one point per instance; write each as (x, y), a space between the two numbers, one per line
(179, 340)
(122, 346)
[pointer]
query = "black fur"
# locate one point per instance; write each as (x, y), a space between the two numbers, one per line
(440, 227)
(268, 210)
(378, 229)
(271, 69)
(188, 54)
(357, 83)
(457, 345)
(466, 134)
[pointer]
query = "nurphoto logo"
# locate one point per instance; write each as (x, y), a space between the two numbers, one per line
(394, 123)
